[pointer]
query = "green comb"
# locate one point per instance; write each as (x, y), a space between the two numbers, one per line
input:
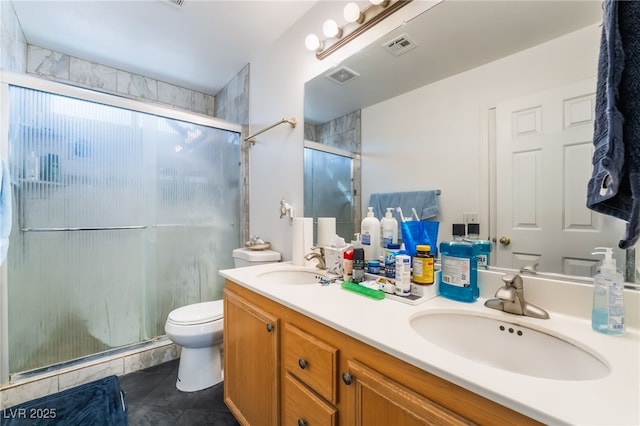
(368, 292)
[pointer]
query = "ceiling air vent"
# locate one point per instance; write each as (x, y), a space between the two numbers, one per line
(176, 3)
(341, 75)
(399, 45)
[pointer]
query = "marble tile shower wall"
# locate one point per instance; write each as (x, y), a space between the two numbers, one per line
(68, 69)
(342, 132)
(13, 46)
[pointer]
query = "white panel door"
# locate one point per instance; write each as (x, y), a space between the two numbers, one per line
(544, 145)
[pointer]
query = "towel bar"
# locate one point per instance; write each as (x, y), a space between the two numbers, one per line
(103, 228)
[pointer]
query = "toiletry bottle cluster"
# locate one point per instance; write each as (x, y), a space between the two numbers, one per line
(46, 167)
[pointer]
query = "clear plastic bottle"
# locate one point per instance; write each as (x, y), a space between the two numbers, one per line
(389, 227)
(459, 267)
(370, 236)
(390, 260)
(32, 167)
(607, 315)
(484, 246)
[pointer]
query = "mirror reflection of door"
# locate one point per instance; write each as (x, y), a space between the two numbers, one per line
(328, 186)
(545, 146)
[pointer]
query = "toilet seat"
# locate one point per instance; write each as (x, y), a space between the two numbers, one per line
(197, 313)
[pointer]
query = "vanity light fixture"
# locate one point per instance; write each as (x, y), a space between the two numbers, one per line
(330, 29)
(357, 22)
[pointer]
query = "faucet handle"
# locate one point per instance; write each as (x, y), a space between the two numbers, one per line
(512, 280)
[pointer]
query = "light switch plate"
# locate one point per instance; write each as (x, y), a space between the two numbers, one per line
(470, 217)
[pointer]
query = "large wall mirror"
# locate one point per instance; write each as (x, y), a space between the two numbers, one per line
(490, 102)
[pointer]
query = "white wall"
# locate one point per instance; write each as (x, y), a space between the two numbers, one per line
(434, 137)
(277, 90)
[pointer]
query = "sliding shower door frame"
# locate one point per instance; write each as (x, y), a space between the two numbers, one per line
(14, 79)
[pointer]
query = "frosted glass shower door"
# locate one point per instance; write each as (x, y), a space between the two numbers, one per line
(128, 216)
(328, 189)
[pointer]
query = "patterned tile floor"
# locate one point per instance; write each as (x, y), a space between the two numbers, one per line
(152, 399)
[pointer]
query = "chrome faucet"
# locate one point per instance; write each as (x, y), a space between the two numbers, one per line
(318, 256)
(510, 298)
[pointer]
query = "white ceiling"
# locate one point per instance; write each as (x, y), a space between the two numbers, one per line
(201, 45)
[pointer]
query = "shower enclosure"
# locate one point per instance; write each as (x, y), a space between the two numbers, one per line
(122, 211)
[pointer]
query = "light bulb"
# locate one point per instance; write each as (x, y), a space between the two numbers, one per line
(312, 42)
(352, 13)
(330, 28)
(384, 3)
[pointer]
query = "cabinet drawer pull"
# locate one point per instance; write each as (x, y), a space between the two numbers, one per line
(269, 327)
(302, 363)
(346, 378)
(302, 422)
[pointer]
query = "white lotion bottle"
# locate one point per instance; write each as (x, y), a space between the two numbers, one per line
(607, 315)
(370, 236)
(389, 226)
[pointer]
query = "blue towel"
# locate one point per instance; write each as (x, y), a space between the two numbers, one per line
(614, 188)
(425, 203)
(5, 210)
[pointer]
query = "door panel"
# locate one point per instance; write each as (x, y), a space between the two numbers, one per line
(544, 151)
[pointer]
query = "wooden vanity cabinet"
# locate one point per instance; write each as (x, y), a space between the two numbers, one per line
(344, 382)
(251, 361)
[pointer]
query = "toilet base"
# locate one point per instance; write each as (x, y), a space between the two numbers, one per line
(199, 368)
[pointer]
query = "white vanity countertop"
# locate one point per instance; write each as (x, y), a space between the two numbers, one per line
(385, 325)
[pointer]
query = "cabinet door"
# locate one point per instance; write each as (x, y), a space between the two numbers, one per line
(251, 341)
(375, 400)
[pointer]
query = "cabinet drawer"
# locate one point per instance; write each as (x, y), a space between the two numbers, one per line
(303, 407)
(312, 361)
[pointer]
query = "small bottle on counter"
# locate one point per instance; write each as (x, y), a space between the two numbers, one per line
(390, 260)
(403, 275)
(422, 265)
(347, 265)
(373, 267)
(358, 265)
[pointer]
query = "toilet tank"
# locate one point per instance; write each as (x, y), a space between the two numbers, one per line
(246, 257)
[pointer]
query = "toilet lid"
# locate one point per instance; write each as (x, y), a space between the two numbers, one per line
(197, 313)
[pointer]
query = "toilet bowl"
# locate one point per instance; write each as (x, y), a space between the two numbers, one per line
(197, 328)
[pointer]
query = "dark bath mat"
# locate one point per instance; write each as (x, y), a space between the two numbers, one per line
(99, 403)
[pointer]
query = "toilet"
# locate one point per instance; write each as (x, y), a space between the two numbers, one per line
(197, 329)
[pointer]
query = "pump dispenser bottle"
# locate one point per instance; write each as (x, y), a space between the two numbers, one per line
(370, 236)
(607, 315)
(389, 226)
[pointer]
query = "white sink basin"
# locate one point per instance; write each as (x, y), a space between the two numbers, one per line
(293, 276)
(509, 346)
